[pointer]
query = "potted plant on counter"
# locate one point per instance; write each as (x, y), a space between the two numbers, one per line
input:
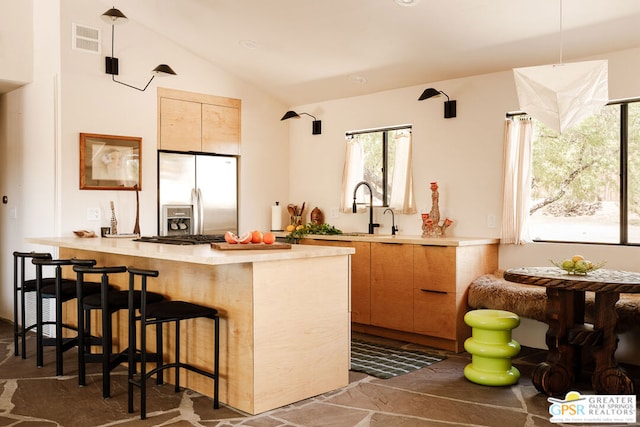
(303, 230)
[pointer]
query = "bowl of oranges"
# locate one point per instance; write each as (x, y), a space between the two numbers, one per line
(577, 264)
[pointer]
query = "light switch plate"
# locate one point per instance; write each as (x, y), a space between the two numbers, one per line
(93, 214)
(334, 213)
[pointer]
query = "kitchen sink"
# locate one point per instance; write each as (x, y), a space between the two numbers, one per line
(376, 236)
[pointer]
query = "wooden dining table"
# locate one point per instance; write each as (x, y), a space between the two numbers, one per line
(568, 334)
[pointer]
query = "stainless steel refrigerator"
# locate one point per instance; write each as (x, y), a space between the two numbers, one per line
(209, 183)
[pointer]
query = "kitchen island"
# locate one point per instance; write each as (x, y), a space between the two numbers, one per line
(285, 321)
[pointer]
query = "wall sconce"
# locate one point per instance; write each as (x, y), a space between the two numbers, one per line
(449, 106)
(316, 126)
(114, 17)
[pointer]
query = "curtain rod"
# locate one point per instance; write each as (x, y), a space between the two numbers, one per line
(515, 114)
(358, 132)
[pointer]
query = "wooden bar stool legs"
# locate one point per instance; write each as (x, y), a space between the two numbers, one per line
(157, 314)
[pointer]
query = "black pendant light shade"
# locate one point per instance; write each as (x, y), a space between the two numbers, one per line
(429, 93)
(114, 16)
(163, 70)
(316, 128)
(449, 106)
(290, 115)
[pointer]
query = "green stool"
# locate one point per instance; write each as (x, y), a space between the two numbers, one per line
(491, 347)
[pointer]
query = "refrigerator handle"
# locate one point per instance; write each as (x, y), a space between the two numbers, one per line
(200, 212)
(195, 226)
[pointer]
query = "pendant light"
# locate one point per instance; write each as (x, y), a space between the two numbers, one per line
(562, 95)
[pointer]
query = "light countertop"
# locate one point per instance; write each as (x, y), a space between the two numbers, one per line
(200, 254)
(403, 238)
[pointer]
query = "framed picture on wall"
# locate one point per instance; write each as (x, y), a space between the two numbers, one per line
(109, 162)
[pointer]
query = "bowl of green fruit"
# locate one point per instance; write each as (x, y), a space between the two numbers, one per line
(577, 265)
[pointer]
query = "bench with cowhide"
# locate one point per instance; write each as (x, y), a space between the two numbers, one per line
(529, 301)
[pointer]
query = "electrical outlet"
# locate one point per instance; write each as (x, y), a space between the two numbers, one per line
(491, 221)
(334, 213)
(93, 214)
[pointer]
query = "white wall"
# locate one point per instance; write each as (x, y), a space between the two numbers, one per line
(70, 94)
(30, 130)
(443, 151)
(16, 44)
(463, 154)
(91, 102)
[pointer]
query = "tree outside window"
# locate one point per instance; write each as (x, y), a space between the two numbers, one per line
(586, 181)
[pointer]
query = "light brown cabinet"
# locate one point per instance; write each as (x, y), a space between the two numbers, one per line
(360, 277)
(441, 277)
(180, 125)
(415, 293)
(221, 129)
(392, 286)
(196, 122)
(435, 291)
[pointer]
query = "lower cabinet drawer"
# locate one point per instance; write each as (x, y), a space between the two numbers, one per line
(434, 313)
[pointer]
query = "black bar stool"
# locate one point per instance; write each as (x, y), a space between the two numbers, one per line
(22, 287)
(158, 314)
(62, 290)
(108, 301)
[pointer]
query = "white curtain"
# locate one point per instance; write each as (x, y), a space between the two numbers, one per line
(402, 200)
(352, 173)
(517, 180)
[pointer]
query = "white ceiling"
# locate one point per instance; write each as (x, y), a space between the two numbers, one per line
(305, 51)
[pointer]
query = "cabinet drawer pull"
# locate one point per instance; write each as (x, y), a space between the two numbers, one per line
(433, 292)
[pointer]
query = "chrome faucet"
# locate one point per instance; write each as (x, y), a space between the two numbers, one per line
(394, 227)
(355, 207)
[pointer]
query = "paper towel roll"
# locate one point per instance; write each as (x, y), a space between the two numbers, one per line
(276, 218)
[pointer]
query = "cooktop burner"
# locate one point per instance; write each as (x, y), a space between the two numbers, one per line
(187, 239)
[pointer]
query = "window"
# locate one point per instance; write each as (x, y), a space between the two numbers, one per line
(382, 158)
(586, 182)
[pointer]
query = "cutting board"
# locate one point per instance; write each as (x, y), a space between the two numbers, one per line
(249, 246)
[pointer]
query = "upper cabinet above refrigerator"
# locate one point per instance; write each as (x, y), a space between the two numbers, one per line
(191, 121)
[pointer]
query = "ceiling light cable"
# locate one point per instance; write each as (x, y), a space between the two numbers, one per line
(561, 32)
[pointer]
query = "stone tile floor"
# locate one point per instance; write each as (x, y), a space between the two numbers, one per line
(437, 395)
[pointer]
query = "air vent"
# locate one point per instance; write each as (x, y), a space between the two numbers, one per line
(85, 38)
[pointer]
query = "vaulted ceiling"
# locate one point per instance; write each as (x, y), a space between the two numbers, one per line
(305, 51)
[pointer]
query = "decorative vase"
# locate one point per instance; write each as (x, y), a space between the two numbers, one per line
(114, 221)
(136, 227)
(431, 221)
